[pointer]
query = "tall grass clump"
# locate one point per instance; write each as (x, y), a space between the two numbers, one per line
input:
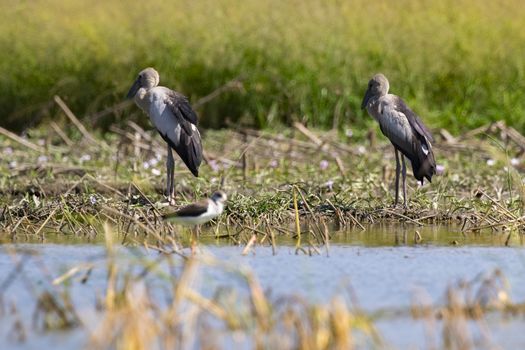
(458, 63)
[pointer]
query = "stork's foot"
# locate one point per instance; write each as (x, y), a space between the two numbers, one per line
(399, 206)
(171, 200)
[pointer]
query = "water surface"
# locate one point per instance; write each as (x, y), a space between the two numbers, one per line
(383, 268)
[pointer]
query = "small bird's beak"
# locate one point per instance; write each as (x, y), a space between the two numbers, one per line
(134, 88)
(366, 99)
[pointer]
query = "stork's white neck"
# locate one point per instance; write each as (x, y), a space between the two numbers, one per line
(373, 106)
(140, 98)
(377, 104)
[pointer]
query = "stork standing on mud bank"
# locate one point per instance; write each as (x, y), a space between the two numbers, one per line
(172, 115)
(403, 128)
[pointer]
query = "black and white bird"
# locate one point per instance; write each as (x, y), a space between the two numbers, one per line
(172, 115)
(405, 130)
(200, 212)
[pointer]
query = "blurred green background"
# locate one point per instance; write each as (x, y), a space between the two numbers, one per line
(458, 64)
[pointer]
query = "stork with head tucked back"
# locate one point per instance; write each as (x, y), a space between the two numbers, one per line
(172, 115)
(405, 130)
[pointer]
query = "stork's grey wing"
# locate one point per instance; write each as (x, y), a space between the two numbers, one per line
(408, 134)
(189, 147)
(396, 127)
(180, 106)
(415, 122)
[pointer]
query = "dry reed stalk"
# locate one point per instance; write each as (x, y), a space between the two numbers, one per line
(401, 216)
(21, 140)
(57, 207)
(75, 120)
(61, 134)
(234, 84)
(249, 245)
(321, 146)
(338, 212)
(296, 213)
(113, 109)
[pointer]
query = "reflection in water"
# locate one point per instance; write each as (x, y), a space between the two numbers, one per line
(409, 234)
(379, 235)
(376, 235)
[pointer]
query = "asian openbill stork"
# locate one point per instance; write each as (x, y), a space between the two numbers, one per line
(403, 128)
(172, 115)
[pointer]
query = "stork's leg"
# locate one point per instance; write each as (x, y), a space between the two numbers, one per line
(404, 173)
(398, 168)
(170, 167)
(172, 187)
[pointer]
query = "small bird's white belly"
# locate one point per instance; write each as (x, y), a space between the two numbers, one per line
(195, 220)
(212, 212)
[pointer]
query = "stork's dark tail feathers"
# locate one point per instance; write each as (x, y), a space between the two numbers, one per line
(423, 162)
(189, 150)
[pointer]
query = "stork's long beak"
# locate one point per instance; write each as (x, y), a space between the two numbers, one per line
(134, 88)
(367, 97)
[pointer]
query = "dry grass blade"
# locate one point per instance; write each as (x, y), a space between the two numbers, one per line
(296, 215)
(75, 270)
(21, 141)
(53, 212)
(234, 84)
(62, 134)
(249, 245)
(75, 120)
(321, 145)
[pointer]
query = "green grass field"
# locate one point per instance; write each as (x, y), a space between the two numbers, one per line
(459, 64)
